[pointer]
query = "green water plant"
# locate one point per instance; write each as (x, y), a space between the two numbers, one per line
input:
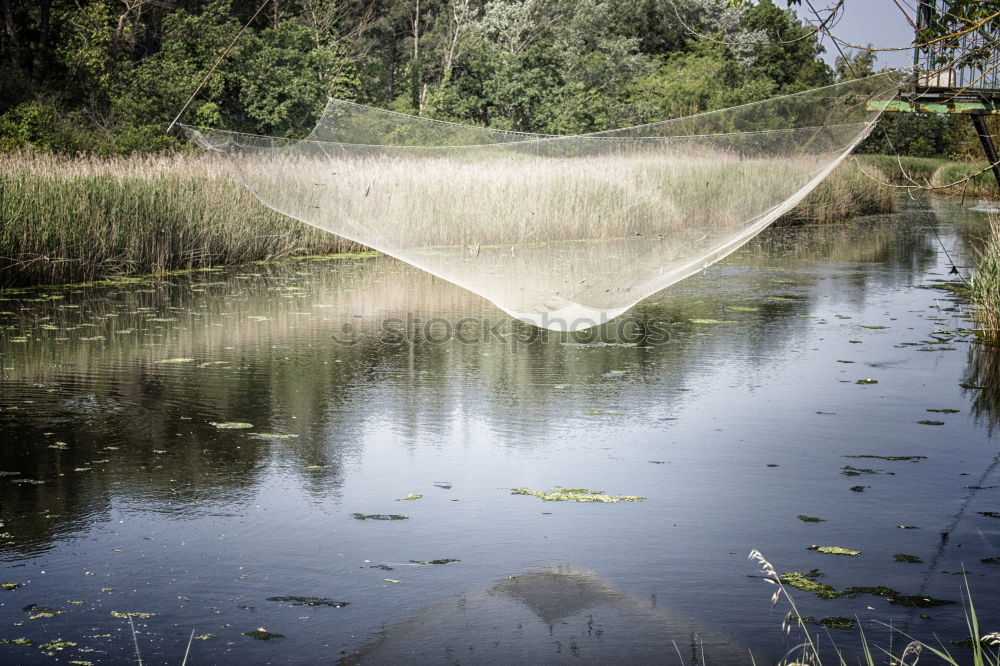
(560, 494)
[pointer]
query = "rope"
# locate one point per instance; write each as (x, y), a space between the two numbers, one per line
(217, 62)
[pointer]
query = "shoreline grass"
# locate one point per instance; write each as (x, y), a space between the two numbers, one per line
(981, 184)
(71, 220)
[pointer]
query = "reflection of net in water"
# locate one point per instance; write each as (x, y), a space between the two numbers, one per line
(561, 232)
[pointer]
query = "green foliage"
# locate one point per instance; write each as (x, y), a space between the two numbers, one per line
(108, 77)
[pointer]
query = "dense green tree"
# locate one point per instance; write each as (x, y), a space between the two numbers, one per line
(108, 76)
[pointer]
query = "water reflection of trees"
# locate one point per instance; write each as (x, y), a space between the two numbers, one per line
(261, 340)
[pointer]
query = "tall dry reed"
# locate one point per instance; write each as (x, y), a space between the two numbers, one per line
(75, 219)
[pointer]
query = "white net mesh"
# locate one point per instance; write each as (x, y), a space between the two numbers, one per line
(561, 232)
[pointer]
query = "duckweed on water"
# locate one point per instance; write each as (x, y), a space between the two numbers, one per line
(446, 560)
(18, 641)
(10, 586)
(560, 494)
(903, 557)
(807, 583)
(411, 496)
(834, 550)
(867, 380)
(918, 601)
(837, 622)
(310, 601)
(891, 458)
(125, 616)
(57, 644)
(849, 470)
(262, 634)
(379, 516)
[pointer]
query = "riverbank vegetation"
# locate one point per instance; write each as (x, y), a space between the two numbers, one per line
(984, 285)
(72, 220)
(91, 79)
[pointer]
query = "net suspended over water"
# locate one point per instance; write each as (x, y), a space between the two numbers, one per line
(563, 232)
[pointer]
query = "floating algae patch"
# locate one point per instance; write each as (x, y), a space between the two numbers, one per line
(834, 550)
(310, 601)
(379, 516)
(742, 308)
(837, 622)
(903, 557)
(807, 583)
(411, 496)
(866, 381)
(930, 423)
(811, 519)
(446, 560)
(849, 470)
(990, 560)
(989, 514)
(10, 586)
(891, 458)
(262, 634)
(945, 411)
(125, 616)
(57, 644)
(874, 327)
(918, 601)
(843, 361)
(875, 590)
(18, 641)
(231, 425)
(560, 494)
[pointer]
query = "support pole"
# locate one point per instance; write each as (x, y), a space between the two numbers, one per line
(987, 141)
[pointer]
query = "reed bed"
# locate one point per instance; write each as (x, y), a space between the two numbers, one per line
(984, 285)
(982, 183)
(847, 193)
(903, 169)
(78, 219)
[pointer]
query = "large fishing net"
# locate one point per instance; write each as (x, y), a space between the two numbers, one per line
(563, 232)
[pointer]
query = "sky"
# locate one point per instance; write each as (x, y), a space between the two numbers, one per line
(878, 22)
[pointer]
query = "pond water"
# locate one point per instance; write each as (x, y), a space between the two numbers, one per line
(200, 449)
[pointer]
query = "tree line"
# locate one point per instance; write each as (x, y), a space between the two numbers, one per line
(108, 76)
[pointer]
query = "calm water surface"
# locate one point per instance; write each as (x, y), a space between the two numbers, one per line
(730, 401)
